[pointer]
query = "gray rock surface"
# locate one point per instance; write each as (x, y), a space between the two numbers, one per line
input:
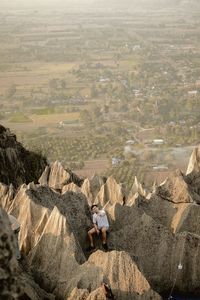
(15, 283)
(9, 284)
(150, 236)
(17, 165)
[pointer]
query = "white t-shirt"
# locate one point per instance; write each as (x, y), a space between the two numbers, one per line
(100, 219)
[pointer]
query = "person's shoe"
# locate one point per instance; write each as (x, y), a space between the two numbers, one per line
(105, 246)
(19, 257)
(90, 248)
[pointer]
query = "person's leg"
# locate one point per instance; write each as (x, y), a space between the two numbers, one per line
(90, 236)
(104, 235)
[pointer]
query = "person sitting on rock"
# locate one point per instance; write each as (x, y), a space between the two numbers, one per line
(100, 222)
(16, 228)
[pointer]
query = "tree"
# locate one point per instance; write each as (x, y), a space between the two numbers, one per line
(85, 116)
(96, 112)
(94, 92)
(63, 84)
(11, 91)
(53, 84)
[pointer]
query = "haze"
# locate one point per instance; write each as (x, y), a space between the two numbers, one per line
(112, 86)
(21, 4)
(28, 4)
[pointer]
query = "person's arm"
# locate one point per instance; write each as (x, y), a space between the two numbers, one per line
(95, 224)
(102, 213)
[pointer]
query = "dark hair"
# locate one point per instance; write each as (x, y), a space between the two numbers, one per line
(94, 206)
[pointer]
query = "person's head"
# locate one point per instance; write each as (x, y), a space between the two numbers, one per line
(94, 208)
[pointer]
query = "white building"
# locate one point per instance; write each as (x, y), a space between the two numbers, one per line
(158, 142)
(115, 161)
(192, 93)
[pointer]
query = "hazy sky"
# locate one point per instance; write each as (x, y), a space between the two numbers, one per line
(38, 3)
(20, 4)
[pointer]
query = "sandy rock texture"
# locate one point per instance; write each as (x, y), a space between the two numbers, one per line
(56, 177)
(15, 283)
(154, 237)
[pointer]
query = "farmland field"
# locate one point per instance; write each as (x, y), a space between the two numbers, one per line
(93, 167)
(103, 85)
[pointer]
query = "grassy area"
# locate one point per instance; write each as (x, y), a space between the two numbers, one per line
(32, 75)
(67, 149)
(19, 118)
(54, 118)
(47, 110)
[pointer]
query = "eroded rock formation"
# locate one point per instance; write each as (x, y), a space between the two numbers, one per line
(14, 282)
(56, 177)
(10, 288)
(154, 241)
(17, 165)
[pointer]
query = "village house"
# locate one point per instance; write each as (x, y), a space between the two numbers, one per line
(158, 142)
(192, 93)
(115, 161)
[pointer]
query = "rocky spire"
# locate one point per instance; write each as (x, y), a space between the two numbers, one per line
(194, 162)
(56, 177)
(17, 165)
